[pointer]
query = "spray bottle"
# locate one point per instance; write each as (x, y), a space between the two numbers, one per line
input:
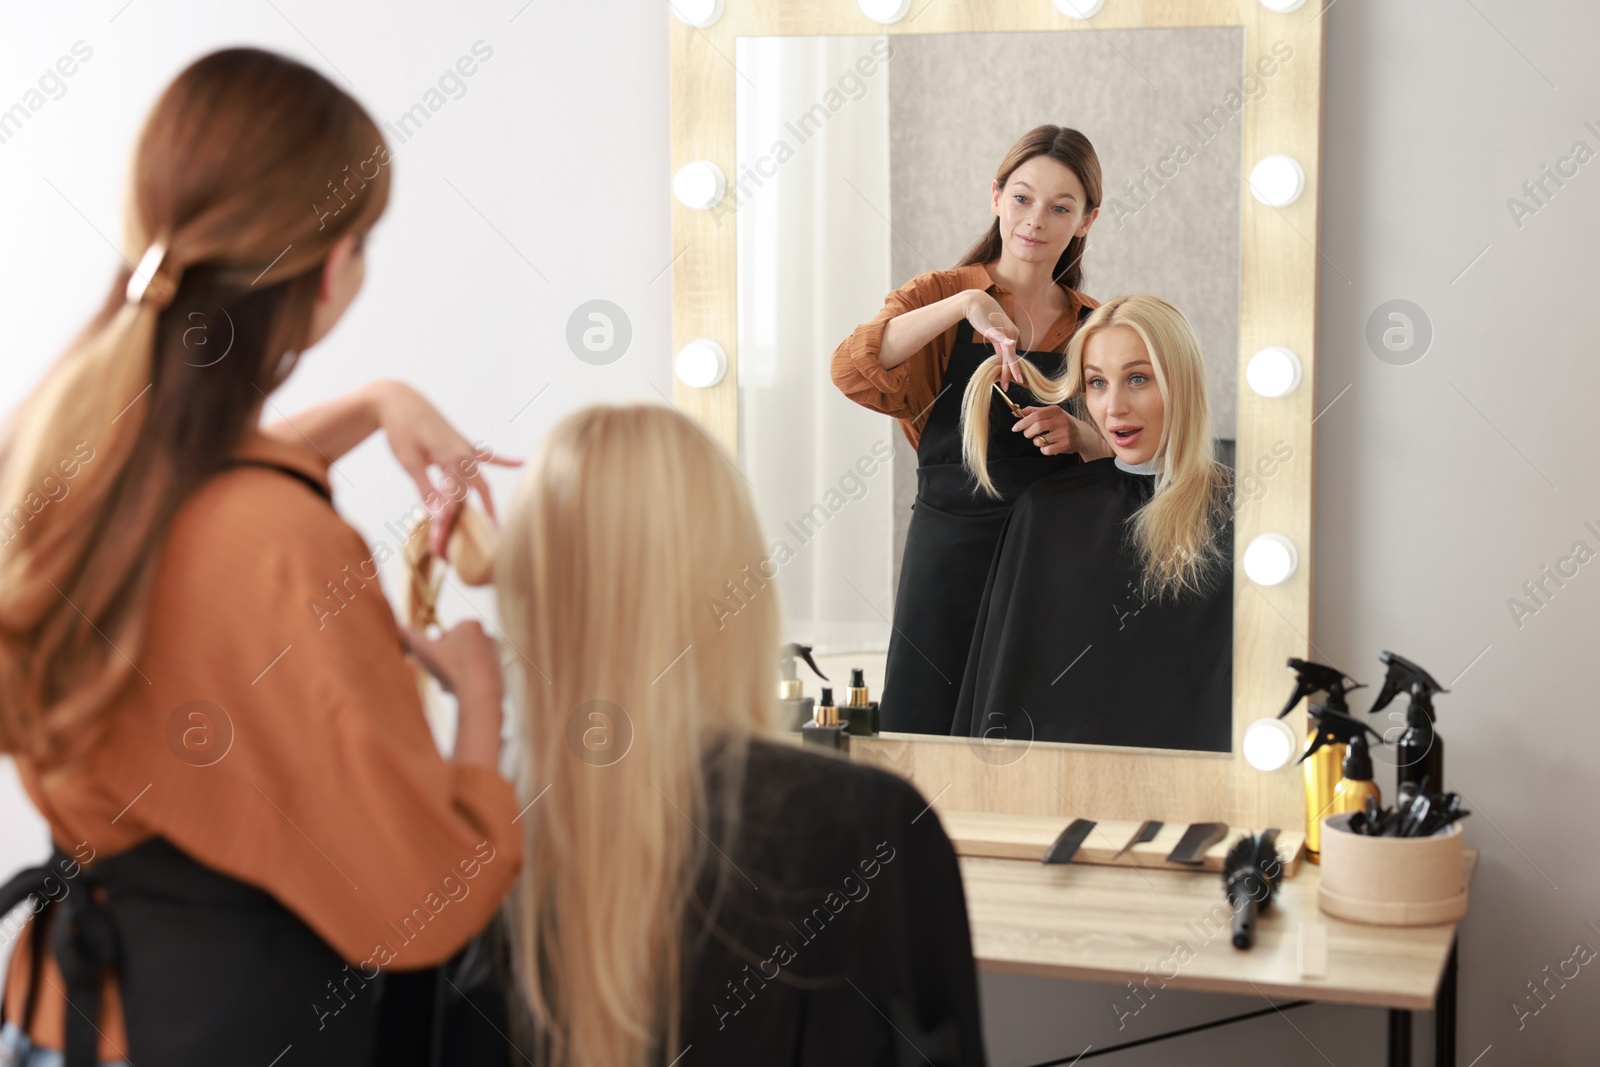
(1420, 753)
(1331, 727)
(795, 707)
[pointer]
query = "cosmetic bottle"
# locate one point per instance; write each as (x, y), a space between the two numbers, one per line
(1357, 785)
(1420, 752)
(795, 707)
(1420, 755)
(825, 729)
(860, 713)
(1329, 731)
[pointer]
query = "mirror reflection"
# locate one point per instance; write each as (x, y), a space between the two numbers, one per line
(1006, 496)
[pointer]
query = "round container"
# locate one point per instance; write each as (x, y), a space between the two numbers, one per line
(1391, 881)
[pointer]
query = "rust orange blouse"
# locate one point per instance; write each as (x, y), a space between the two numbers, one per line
(907, 392)
(331, 794)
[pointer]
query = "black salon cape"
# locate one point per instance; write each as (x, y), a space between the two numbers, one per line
(1067, 649)
(829, 931)
(840, 936)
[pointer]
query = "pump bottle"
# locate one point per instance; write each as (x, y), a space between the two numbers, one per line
(860, 712)
(825, 729)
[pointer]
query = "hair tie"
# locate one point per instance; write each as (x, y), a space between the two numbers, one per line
(149, 285)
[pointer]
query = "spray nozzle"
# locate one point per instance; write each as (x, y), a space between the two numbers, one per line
(1336, 728)
(790, 653)
(1318, 677)
(1406, 677)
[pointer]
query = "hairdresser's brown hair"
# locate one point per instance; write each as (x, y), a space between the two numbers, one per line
(250, 167)
(1072, 150)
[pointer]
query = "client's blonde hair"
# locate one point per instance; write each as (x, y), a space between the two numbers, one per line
(1175, 532)
(639, 684)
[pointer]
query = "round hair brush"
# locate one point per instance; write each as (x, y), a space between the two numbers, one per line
(1250, 875)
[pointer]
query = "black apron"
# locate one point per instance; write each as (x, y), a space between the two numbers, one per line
(950, 543)
(213, 970)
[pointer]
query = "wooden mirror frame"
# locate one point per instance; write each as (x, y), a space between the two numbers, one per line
(1278, 262)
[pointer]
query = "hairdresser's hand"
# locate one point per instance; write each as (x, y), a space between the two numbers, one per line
(1057, 433)
(990, 322)
(467, 663)
(420, 438)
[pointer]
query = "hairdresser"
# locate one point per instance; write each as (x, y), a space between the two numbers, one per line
(253, 826)
(1017, 294)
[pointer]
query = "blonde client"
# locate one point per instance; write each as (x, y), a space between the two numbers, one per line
(1108, 613)
(698, 891)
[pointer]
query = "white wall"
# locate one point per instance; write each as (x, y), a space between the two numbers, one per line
(1442, 486)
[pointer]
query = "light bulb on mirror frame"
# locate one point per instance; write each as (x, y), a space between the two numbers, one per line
(1277, 180)
(1268, 744)
(1082, 10)
(886, 12)
(1270, 559)
(1283, 7)
(700, 185)
(697, 13)
(1273, 372)
(701, 363)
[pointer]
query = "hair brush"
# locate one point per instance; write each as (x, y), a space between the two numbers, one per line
(1250, 875)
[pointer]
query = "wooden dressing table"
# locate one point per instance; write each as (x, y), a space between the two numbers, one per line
(1119, 923)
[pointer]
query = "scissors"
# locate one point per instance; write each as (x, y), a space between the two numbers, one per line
(1015, 411)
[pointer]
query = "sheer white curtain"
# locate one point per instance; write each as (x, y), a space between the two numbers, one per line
(811, 198)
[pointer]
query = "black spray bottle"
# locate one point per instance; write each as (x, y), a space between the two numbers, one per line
(1420, 752)
(795, 707)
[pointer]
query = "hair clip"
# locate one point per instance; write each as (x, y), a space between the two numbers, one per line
(149, 285)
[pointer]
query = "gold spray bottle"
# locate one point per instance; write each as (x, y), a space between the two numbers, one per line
(1331, 727)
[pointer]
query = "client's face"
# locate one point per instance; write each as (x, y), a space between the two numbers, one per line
(1119, 386)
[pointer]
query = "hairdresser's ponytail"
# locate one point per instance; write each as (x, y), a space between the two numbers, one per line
(250, 167)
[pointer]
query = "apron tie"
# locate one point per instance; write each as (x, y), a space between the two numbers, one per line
(85, 944)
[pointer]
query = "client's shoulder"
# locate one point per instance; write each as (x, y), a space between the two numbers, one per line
(1098, 478)
(823, 794)
(804, 773)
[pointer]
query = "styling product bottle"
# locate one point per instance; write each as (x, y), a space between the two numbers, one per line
(1421, 750)
(795, 706)
(1357, 785)
(825, 729)
(1323, 757)
(860, 713)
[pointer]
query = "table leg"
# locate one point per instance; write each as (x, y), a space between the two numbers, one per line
(1399, 1038)
(1444, 1014)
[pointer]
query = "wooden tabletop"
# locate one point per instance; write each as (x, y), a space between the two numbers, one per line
(1119, 924)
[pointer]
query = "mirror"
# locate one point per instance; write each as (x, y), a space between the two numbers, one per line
(866, 161)
(1276, 98)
